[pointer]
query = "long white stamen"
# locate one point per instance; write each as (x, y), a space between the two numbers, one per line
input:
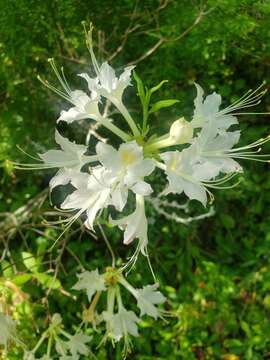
(251, 98)
(89, 44)
(62, 82)
(54, 89)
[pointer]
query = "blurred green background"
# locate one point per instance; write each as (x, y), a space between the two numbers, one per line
(215, 272)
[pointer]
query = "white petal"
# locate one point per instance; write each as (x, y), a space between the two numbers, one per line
(211, 104)
(99, 202)
(78, 200)
(140, 169)
(62, 177)
(107, 77)
(123, 82)
(108, 156)
(194, 191)
(57, 158)
(72, 114)
(119, 198)
(69, 146)
(148, 297)
(142, 188)
(91, 281)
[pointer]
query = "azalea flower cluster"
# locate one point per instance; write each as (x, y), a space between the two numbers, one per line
(67, 346)
(195, 156)
(123, 323)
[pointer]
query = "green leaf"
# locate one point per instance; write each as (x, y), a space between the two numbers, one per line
(162, 104)
(155, 88)
(47, 280)
(21, 279)
(6, 269)
(29, 261)
(140, 87)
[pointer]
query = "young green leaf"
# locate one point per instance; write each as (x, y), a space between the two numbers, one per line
(140, 87)
(157, 87)
(29, 261)
(6, 269)
(162, 104)
(47, 280)
(21, 279)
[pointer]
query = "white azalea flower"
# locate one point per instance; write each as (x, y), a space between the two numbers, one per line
(70, 159)
(147, 299)
(135, 225)
(207, 110)
(107, 83)
(92, 195)
(70, 156)
(7, 329)
(125, 324)
(91, 281)
(214, 148)
(76, 344)
(85, 107)
(186, 175)
(128, 166)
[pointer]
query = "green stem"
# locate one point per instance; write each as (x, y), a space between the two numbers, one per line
(123, 110)
(49, 347)
(145, 112)
(127, 285)
(40, 341)
(114, 129)
(119, 299)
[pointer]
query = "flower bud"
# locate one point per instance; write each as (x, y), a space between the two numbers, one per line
(181, 131)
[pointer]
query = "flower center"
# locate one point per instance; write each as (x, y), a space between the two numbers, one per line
(128, 157)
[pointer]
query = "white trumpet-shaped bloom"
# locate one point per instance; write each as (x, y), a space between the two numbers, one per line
(186, 175)
(91, 196)
(121, 324)
(107, 83)
(91, 282)
(147, 299)
(70, 156)
(207, 110)
(127, 165)
(77, 344)
(70, 159)
(135, 225)
(214, 147)
(85, 107)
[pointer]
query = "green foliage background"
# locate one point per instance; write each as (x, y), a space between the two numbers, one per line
(215, 273)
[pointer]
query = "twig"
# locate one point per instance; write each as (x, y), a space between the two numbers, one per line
(108, 245)
(163, 40)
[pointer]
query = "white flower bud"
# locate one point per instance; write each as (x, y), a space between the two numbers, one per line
(181, 131)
